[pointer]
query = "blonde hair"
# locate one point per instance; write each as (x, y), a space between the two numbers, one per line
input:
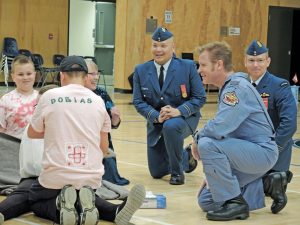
(20, 60)
(219, 51)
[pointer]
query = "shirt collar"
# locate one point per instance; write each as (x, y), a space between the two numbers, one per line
(166, 65)
(258, 80)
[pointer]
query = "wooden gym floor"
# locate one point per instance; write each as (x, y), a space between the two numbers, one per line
(182, 208)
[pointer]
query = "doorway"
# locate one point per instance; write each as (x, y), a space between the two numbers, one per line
(284, 49)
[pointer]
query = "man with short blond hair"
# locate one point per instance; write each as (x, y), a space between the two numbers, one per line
(233, 160)
(279, 101)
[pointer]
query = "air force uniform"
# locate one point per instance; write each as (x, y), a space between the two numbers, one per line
(182, 89)
(278, 98)
(237, 147)
(279, 101)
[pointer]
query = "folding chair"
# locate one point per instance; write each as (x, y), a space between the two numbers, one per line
(26, 53)
(10, 51)
(38, 62)
(56, 59)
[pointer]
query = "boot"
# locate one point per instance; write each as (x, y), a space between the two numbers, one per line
(236, 208)
(275, 186)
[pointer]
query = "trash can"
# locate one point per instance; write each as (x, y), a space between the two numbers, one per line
(295, 91)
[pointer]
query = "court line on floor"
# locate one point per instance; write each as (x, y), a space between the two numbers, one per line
(25, 221)
(297, 192)
(151, 220)
(123, 140)
(132, 164)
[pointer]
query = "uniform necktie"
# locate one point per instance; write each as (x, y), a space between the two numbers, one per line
(254, 84)
(161, 77)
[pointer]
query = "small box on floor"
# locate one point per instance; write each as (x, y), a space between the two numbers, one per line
(154, 201)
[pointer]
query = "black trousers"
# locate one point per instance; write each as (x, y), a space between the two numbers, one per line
(17, 202)
(43, 204)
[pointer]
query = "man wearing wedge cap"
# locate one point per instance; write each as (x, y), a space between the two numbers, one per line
(168, 93)
(237, 146)
(279, 101)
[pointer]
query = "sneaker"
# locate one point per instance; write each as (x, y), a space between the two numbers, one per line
(65, 204)
(135, 199)
(89, 213)
(1, 219)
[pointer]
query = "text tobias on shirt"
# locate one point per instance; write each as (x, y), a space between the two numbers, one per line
(71, 100)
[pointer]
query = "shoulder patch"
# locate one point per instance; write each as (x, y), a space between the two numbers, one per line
(230, 98)
(283, 84)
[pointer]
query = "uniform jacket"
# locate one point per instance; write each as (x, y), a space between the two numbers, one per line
(239, 115)
(182, 89)
(276, 93)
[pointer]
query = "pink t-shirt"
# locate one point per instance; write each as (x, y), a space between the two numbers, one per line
(16, 111)
(71, 118)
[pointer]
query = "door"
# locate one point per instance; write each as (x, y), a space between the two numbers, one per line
(295, 61)
(279, 42)
(81, 25)
(105, 36)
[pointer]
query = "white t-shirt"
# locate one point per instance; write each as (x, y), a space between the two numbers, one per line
(30, 156)
(16, 111)
(71, 118)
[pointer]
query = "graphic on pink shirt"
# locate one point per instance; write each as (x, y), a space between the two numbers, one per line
(16, 111)
(77, 154)
(23, 111)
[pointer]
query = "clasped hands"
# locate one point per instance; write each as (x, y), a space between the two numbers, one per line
(167, 112)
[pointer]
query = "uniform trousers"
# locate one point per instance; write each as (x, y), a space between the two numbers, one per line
(43, 202)
(167, 155)
(284, 160)
(231, 163)
(17, 202)
(253, 193)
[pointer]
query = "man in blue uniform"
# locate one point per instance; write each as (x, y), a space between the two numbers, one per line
(237, 147)
(279, 101)
(168, 92)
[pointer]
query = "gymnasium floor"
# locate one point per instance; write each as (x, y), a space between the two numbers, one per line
(182, 208)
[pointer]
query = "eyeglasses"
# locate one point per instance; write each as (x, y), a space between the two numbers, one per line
(94, 74)
(258, 61)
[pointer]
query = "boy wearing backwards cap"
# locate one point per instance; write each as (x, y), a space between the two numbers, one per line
(74, 123)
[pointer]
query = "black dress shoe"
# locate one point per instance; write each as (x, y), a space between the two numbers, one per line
(192, 162)
(236, 208)
(278, 182)
(177, 179)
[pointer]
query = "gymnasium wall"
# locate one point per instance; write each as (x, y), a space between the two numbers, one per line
(40, 26)
(195, 22)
